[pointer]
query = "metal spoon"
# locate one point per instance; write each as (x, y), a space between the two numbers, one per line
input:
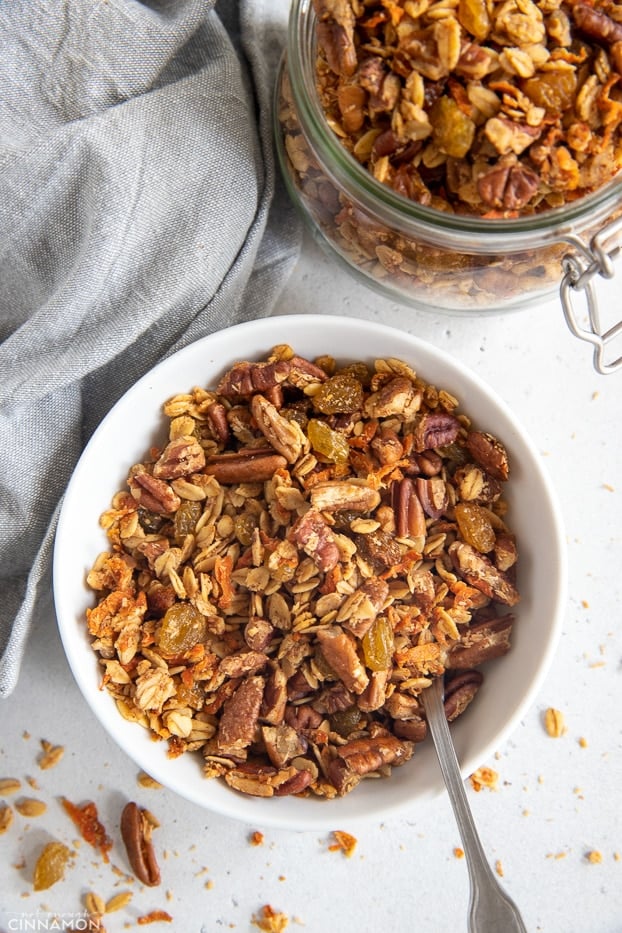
(490, 908)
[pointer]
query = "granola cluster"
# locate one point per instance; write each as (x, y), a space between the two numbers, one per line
(310, 547)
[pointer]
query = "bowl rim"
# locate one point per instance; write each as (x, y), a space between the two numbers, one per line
(274, 330)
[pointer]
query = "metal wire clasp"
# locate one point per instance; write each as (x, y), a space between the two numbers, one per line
(579, 272)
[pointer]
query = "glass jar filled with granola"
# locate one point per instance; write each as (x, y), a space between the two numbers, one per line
(459, 154)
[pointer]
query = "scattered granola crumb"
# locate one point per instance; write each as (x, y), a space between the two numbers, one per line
(209, 884)
(145, 780)
(30, 807)
(282, 878)
(51, 755)
(594, 856)
(617, 857)
(154, 916)
(25, 734)
(344, 842)
(484, 777)
(526, 812)
(270, 920)
(458, 852)
(169, 895)
(554, 722)
(118, 901)
(583, 742)
(33, 782)
(499, 868)
(9, 786)
(94, 905)
(540, 779)
(6, 818)
(256, 838)
(609, 487)
(557, 855)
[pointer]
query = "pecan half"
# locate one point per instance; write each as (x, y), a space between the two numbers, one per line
(459, 692)
(435, 430)
(362, 756)
(180, 457)
(593, 22)
(216, 415)
(507, 186)
(398, 397)
(359, 610)
(489, 453)
(236, 729)
(334, 496)
(246, 378)
(152, 493)
(317, 540)
(336, 35)
(136, 834)
(254, 465)
(432, 493)
(482, 573)
(408, 511)
(339, 650)
(285, 436)
(482, 642)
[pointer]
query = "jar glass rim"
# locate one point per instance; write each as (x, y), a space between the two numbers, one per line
(557, 222)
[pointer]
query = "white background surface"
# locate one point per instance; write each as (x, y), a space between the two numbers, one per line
(558, 799)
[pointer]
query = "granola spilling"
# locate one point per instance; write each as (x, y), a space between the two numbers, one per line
(311, 545)
(477, 106)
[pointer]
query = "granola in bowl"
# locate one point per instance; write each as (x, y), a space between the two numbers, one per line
(287, 563)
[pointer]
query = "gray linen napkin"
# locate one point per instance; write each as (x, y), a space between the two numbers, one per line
(138, 212)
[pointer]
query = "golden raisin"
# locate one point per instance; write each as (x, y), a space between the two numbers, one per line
(342, 393)
(331, 444)
(50, 866)
(473, 15)
(243, 527)
(452, 130)
(186, 518)
(553, 90)
(181, 629)
(378, 644)
(475, 526)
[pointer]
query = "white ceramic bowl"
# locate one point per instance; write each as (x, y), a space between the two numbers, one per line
(511, 683)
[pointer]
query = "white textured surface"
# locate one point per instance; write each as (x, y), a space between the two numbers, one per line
(557, 800)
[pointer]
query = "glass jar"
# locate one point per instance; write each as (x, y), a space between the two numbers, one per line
(429, 258)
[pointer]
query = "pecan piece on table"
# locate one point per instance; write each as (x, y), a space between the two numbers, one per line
(136, 831)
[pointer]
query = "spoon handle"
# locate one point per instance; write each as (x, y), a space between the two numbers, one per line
(490, 908)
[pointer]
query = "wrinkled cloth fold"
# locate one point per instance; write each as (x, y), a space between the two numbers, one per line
(140, 210)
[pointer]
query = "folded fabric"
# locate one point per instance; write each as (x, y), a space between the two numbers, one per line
(138, 212)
